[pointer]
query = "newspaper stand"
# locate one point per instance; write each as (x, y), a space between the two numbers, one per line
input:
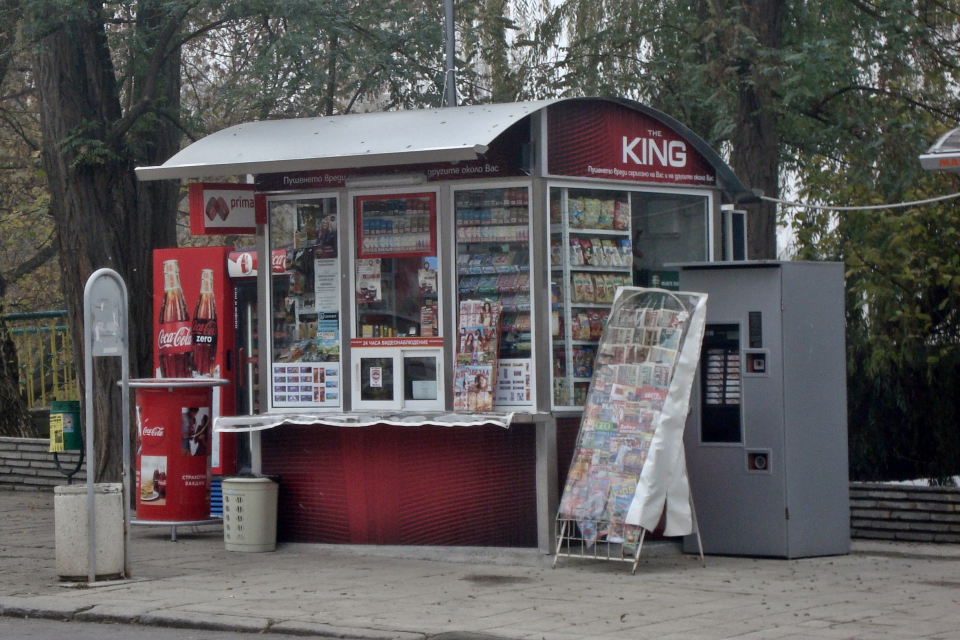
(174, 428)
(646, 362)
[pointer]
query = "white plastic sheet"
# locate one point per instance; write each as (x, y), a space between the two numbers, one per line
(246, 424)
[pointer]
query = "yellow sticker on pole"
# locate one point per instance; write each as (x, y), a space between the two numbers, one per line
(56, 432)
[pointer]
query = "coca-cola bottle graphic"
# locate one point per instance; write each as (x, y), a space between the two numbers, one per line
(205, 327)
(174, 344)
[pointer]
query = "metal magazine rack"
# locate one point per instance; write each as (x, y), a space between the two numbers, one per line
(638, 365)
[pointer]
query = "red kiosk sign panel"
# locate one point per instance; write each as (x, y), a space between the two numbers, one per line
(610, 141)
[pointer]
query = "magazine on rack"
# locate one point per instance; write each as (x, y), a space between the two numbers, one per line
(636, 364)
(477, 349)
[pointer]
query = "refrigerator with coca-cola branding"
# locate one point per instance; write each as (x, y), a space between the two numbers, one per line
(194, 330)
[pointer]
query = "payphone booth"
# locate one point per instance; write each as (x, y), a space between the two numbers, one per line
(766, 439)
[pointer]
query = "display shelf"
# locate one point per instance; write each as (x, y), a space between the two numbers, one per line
(493, 263)
(591, 255)
(558, 228)
(493, 234)
(564, 268)
(397, 226)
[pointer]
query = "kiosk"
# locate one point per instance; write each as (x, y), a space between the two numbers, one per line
(416, 248)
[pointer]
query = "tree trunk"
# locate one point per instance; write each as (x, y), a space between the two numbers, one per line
(756, 143)
(15, 419)
(103, 217)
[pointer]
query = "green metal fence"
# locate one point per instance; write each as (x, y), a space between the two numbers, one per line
(45, 352)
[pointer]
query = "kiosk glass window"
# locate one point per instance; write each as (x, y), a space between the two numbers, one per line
(397, 280)
(493, 286)
(668, 227)
(591, 255)
(306, 302)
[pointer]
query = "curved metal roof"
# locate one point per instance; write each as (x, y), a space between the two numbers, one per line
(334, 142)
(384, 138)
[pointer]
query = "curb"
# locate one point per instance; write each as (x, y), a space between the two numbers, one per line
(51, 609)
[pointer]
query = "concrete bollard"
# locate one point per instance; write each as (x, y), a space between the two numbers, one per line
(70, 514)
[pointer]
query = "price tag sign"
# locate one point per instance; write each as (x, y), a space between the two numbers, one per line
(107, 310)
(56, 432)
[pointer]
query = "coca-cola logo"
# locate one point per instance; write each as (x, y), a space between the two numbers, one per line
(279, 261)
(246, 263)
(204, 330)
(217, 207)
(152, 436)
(175, 341)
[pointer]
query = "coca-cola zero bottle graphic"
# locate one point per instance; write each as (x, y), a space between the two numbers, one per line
(205, 327)
(174, 343)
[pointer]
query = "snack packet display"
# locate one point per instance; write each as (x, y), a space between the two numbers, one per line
(621, 216)
(597, 248)
(575, 213)
(576, 253)
(605, 220)
(591, 212)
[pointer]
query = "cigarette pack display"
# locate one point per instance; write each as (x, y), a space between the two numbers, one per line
(493, 259)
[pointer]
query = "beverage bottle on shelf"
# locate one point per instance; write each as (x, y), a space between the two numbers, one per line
(174, 343)
(205, 326)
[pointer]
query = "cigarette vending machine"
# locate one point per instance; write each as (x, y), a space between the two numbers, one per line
(766, 439)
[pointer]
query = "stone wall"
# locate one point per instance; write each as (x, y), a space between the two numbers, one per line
(27, 465)
(903, 512)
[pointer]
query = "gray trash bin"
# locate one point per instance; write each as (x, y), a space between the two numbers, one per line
(250, 514)
(71, 540)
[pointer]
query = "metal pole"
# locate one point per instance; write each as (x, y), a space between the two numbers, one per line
(450, 74)
(91, 463)
(125, 439)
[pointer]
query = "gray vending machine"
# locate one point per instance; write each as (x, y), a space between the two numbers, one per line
(766, 439)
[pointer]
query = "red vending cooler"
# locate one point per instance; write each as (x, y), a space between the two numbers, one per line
(194, 319)
(173, 441)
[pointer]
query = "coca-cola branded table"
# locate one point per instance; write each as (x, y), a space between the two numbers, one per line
(174, 429)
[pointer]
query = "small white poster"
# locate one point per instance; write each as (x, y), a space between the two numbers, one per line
(326, 286)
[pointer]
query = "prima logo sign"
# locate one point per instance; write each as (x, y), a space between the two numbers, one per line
(219, 207)
(222, 208)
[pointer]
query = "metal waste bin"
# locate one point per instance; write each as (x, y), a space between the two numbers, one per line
(72, 543)
(250, 514)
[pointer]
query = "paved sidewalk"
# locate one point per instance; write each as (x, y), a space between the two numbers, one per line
(882, 590)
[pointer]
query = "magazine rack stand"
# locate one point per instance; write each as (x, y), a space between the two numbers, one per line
(628, 465)
(620, 545)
